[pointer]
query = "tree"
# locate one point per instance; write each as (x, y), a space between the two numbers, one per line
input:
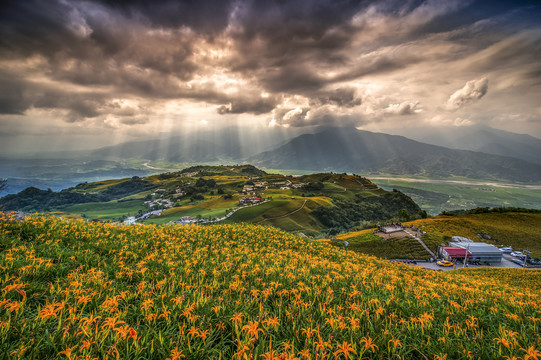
(404, 215)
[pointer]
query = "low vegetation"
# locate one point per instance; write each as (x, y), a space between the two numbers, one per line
(326, 202)
(521, 230)
(436, 195)
(79, 290)
(347, 214)
(387, 248)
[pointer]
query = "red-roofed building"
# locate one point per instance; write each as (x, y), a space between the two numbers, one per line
(449, 252)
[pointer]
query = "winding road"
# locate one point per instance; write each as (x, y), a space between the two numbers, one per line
(286, 215)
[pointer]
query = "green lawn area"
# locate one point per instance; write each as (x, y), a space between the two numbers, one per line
(255, 213)
(105, 210)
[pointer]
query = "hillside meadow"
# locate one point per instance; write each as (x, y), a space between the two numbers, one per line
(517, 229)
(77, 290)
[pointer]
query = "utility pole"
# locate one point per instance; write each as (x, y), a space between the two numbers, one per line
(527, 252)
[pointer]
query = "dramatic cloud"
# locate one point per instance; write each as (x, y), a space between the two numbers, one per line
(404, 108)
(139, 67)
(470, 93)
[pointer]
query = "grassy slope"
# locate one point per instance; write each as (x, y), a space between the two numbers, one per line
(390, 248)
(106, 210)
(520, 230)
(152, 292)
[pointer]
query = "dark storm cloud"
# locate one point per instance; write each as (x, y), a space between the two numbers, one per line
(12, 98)
(305, 62)
(28, 27)
(209, 16)
(256, 106)
(140, 48)
(343, 97)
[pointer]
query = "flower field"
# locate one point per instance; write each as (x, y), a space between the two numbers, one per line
(77, 290)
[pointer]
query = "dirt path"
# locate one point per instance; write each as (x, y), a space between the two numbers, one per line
(286, 215)
(460, 182)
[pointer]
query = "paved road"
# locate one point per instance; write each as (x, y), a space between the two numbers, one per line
(286, 215)
(506, 263)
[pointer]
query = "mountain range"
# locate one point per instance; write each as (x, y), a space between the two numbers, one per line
(351, 150)
(473, 152)
(483, 139)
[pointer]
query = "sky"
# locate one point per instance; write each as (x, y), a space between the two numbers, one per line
(84, 74)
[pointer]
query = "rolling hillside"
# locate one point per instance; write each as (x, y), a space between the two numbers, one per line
(488, 140)
(312, 203)
(517, 229)
(197, 292)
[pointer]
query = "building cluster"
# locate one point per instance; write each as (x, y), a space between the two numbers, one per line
(163, 203)
(249, 200)
(464, 249)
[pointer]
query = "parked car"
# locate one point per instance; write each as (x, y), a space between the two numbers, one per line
(445, 263)
(518, 262)
(518, 254)
(506, 250)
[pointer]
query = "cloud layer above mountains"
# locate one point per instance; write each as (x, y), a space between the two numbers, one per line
(139, 67)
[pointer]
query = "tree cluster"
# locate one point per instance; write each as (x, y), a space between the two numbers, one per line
(349, 213)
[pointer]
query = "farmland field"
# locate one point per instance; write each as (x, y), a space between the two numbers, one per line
(106, 210)
(79, 290)
(438, 196)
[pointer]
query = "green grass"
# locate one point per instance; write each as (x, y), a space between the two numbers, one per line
(519, 230)
(300, 220)
(387, 248)
(106, 210)
(255, 213)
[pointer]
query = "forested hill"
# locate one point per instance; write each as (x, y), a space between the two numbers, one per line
(34, 199)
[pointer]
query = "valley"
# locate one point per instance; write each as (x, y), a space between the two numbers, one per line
(439, 195)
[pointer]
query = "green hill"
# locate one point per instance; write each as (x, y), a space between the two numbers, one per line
(514, 228)
(312, 203)
(73, 289)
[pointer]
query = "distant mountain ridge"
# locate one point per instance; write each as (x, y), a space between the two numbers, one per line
(227, 144)
(486, 139)
(491, 154)
(352, 150)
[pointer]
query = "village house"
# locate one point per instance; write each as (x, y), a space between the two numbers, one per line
(249, 200)
(261, 185)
